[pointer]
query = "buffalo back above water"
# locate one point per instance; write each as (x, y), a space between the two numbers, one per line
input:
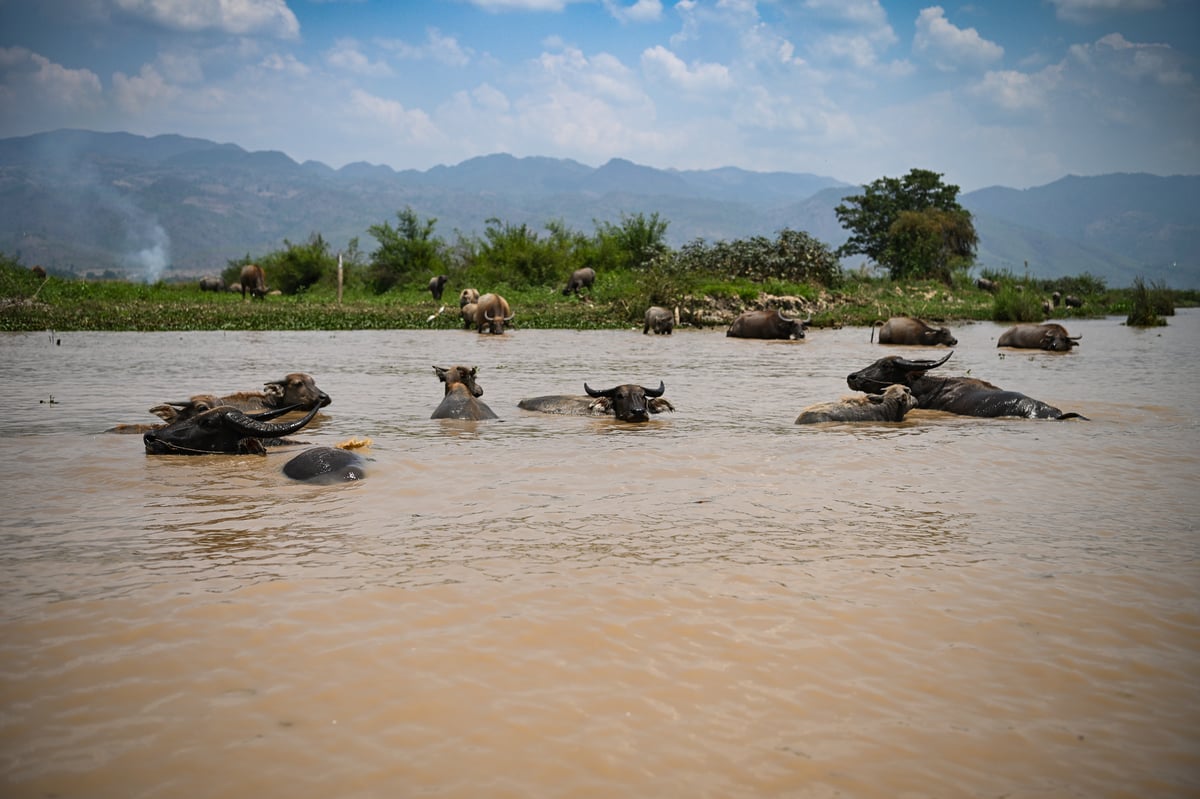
(767, 324)
(909, 330)
(1050, 336)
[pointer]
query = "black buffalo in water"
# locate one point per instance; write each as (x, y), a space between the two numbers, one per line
(660, 320)
(767, 324)
(1050, 336)
(967, 396)
(225, 429)
(908, 330)
(890, 406)
(326, 466)
(580, 279)
(628, 403)
(461, 398)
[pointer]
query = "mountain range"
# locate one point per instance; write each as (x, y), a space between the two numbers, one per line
(169, 206)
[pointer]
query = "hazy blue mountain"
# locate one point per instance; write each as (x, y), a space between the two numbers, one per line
(171, 205)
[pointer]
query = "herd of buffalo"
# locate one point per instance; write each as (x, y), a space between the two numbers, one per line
(245, 422)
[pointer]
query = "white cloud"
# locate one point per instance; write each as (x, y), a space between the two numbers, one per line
(287, 64)
(346, 55)
(437, 46)
(951, 47)
(698, 77)
(1086, 11)
(640, 11)
(521, 5)
(866, 13)
(1015, 92)
(392, 118)
(30, 80)
(146, 90)
(237, 17)
(1116, 54)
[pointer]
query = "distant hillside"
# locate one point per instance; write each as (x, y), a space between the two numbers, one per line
(149, 207)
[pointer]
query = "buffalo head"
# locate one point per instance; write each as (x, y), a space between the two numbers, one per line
(890, 371)
(629, 402)
(224, 429)
(297, 389)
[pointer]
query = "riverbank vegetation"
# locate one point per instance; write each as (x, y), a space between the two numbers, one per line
(920, 243)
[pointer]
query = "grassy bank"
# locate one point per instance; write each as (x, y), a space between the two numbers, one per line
(29, 302)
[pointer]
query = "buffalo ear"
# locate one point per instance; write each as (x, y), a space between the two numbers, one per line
(273, 390)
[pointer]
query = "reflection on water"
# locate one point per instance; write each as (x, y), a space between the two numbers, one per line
(715, 603)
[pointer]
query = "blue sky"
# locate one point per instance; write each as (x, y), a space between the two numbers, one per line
(1013, 92)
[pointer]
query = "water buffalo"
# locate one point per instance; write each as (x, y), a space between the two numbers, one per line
(628, 403)
(1072, 301)
(966, 396)
(580, 279)
(890, 406)
(989, 286)
(460, 400)
(467, 296)
(492, 312)
(225, 429)
(254, 281)
(38, 271)
(468, 315)
(907, 330)
(660, 320)
(1050, 336)
(235, 288)
(297, 390)
(437, 285)
(326, 466)
(767, 324)
(212, 284)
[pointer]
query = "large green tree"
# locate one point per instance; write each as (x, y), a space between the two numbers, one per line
(913, 226)
(408, 252)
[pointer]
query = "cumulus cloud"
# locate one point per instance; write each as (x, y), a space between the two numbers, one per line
(1136, 61)
(437, 46)
(640, 11)
(238, 17)
(698, 77)
(1086, 11)
(1012, 92)
(521, 5)
(28, 79)
(403, 124)
(950, 47)
(347, 56)
(148, 89)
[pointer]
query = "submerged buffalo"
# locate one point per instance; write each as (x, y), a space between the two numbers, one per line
(461, 398)
(659, 320)
(225, 429)
(492, 314)
(890, 406)
(580, 279)
(1050, 336)
(967, 396)
(297, 391)
(767, 324)
(326, 466)
(628, 403)
(909, 330)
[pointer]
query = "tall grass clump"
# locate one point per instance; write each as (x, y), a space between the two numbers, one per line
(1149, 304)
(1013, 304)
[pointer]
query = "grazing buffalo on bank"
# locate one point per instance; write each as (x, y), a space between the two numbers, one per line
(461, 397)
(890, 406)
(628, 403)
(1072, 301)
(253, 281)
(212, 284)
(437, 285)
(38, 271)
(767, 324)
(580, 279)
(989, 286)
(659, 320)
(468, 296)
(1050, 336)
(492, 314)
(326, 466)
(225, 430)
(908, 330)
(967, 396)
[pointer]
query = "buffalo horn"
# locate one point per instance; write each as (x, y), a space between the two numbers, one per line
(594, 393)
(256, 426)
(905, 363)
(656, 392)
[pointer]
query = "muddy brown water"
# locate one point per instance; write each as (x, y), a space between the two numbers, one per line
(717, 603)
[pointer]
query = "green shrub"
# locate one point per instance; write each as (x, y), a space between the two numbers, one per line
(1148, 304)
(1014, 303)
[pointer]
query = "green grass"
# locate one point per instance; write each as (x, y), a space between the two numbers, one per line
(27, 303)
